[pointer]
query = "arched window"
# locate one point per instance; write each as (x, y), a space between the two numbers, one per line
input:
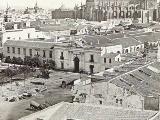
(126, 51)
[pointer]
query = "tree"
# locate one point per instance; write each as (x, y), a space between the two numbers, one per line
(19, 61)
(8, 59)
(45, 73)
(36, 61)
(1, 56)
(28, 61)
(52, 64)
(25, 70)
(14, 60)
(10, 73)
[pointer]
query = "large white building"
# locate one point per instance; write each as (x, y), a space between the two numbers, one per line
(68, 56)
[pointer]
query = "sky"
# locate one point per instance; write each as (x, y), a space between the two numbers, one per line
(46, 4)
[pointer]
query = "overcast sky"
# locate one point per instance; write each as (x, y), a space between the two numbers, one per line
(41, 3)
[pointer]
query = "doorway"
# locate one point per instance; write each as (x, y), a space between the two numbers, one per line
(76, 64)
(91, 69)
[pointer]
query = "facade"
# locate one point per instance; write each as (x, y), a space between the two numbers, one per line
(66, 56)
(20, 34)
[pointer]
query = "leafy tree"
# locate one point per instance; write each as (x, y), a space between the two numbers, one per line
(8, 59)
(36, 61)
(10, 72)
(52, 64)
(14, 60)
(28, 61)
(45, 73)
(1, 56)
(19, 61)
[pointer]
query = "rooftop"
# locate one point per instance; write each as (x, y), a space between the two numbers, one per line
(137, 76)
(80, 111)
(29, 43)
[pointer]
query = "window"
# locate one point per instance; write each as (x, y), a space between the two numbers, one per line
(118, 59)
(19, 38)
(126, 51)
(118, 52)
(8, 50)
(121, 101)
(44, 53)
(19, 51)
(91, 58)
(30, 52)
(61, 53)
(28, 35)
(62, 65)
(24, 51)
(13, 49)
(8, 37)
(100, 102)
(110, 60)
(116, 100)
(50, 54)
(104, 60)
(91, 69)
(62, 57)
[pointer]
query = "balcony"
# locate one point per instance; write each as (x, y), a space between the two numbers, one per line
(61, 57)
(92, 61)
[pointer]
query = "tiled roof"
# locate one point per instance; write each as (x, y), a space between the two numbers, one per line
(96, 112)
(80, 111)
(142, 80)
(97, 41)
(55, 28)
(146, 38)
(110, 55)
(30, 44)
(114, 36)
(126, 41)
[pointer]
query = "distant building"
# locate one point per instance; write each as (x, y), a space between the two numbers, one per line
(62, 14)
(103, 10)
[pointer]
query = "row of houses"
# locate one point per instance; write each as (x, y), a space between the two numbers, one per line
(133, 85)
(80, 53)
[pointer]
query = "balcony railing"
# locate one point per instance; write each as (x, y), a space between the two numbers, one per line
(91, 60)
(61, 57)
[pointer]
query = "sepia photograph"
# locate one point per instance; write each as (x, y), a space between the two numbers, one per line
(79, 59)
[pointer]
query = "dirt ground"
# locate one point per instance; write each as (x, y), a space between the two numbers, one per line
(54, 94)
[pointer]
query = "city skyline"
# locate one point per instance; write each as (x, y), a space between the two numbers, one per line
(49, 4)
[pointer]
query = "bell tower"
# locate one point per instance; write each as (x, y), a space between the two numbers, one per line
(36, 7)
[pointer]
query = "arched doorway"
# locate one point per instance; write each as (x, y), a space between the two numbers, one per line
(76, 64)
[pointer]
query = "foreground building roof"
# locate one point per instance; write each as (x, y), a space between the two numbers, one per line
(78, 111)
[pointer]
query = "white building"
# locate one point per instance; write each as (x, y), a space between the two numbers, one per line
(67, 56)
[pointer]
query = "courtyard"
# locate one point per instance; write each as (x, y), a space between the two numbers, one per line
(50, 92)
